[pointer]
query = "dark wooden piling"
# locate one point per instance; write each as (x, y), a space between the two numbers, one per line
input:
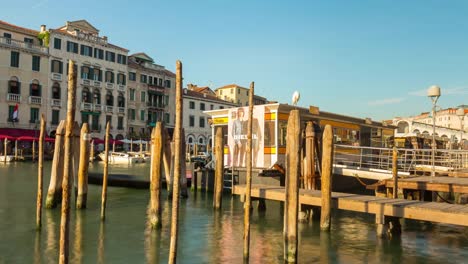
(219, 170)
(395, 172)
(40, 174)
(183, 169)
(54, 193)
(327, 170)
(76, 157)
(105, 174)
(82, 190)
(167, 160)
(293, 169)
(310, 156)
(67, 168)
(248, 158)
(91, 154)
(5, 142)
(154, 212)
(177, 165)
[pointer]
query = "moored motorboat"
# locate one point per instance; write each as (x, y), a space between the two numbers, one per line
(122, 158)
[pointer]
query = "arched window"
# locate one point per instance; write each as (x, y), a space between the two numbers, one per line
(121, 100)
(35, 88)
(121, 79)
(85, 72)
(14, 85)
(56, 90)
(416, 131)
(97, 96)
(109, 99)
(201, 141)
(109, 77)
(97, 74)
(86, 95)
(403, 127)
(190, 139)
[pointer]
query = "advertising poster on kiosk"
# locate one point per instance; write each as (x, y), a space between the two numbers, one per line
(237, 136)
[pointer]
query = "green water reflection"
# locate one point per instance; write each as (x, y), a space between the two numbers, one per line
(205, 236)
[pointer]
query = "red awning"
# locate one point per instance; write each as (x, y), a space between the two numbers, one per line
(115, 141)
(10, 138)
(18, 132)
(27, 138)
(98, 141)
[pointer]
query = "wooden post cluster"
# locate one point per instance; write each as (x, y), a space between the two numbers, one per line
(82, 192)
(54, 194)
(291, 207)
(67, 170)
(154, 211)
(40, 174)
(105, 174)
(219, 170)
(177, 165)
(248, 201)
(327, 169)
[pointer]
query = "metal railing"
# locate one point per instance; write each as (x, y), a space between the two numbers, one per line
(23, 45)
(35, 100)
(408, 159)
(13, 97)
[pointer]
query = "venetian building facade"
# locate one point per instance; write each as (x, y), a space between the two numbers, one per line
(237, 94)
(150, 93)
(101, 78)
(197, 127)
(24, 68)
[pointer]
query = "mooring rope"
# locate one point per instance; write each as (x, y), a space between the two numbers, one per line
(366, 185)
(442, 198)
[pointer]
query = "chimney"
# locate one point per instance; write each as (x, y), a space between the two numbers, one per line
(43, 28)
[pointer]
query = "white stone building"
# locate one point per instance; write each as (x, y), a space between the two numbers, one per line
(195, 122)
(101, 78)
(24, 71)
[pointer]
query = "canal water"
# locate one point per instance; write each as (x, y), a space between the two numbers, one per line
(204, 236)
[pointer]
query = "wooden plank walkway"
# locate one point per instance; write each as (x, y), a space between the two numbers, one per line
(426, 211)
(426, 183)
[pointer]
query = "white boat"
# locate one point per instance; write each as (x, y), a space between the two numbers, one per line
(9, 158)
(122, 158)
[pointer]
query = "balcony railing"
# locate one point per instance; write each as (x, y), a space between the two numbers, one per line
(97, 108)
(56, 102)
(23, 45)
(155, 104)
(86, 106)
(56, 76)
(85, 82)
(121, 110)
(97, 83)
(109, 109)
(109, 85)
(35, 100)
(121, 87)
(13, 97)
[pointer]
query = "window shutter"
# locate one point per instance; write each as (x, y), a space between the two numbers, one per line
(30, 88)
(60, 67)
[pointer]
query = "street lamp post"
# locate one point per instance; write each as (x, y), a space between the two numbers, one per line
(434, 93)
(461, 114)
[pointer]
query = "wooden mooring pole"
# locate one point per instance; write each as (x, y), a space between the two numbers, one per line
(219, 170)
(248, 201)
(183, 168)
(395, 172)
(54, 193)
(67, 168)
(167, 160)
(105, 174)
(327, 170)
(40, 174)
(293, 169)
(177, 165)
(92, 151)
(154, 212)
(5, 142)
(82, 192)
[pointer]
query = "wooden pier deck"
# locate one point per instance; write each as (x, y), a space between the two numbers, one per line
(438, 184)
(426, 211)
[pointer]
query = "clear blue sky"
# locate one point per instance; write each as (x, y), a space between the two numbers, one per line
(363, 58)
